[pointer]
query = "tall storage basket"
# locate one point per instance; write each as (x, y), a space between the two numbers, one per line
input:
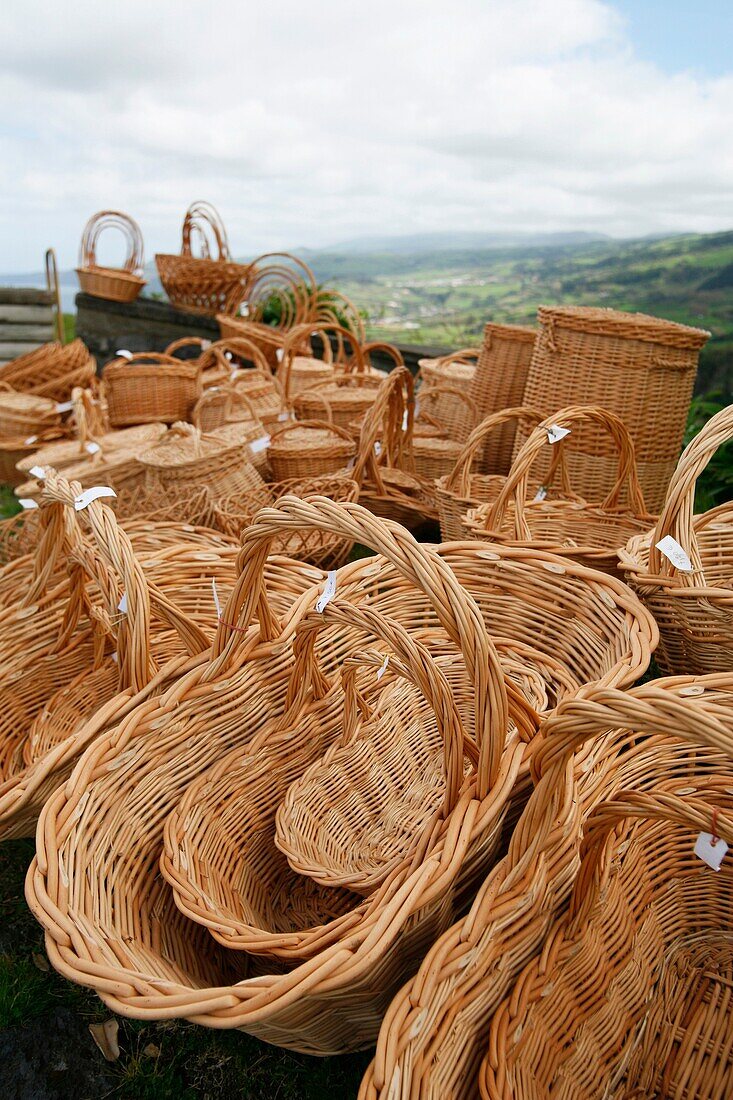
(499, 382)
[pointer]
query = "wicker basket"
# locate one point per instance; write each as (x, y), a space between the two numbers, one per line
(281, 293)
(298, 369)
(51, 371)
(269, 341)
(589, 533)
(24, 414)
(499, 382)
(435, 454)
(149, 388)
(641, 368)
(116, 284)
(187, 457)
(208, 284)
(462, 489)
(449, 373)
(691, 600)
(70, 452)
(435, 1032)
(639, 968)
(14, 453)
(309, 448)
(334, 309)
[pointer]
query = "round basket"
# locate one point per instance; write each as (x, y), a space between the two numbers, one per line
(116, 284)
(208, 284)
(499, 382)
(150, 387)
(51, 371)
(309, 448)
(23, 414)
(342, 400)
(298, 369)
(186, 456)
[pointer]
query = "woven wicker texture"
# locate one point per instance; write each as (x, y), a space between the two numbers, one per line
(435, 1033)
(463, 489)
(456, 372)
(642, 962)
(499, 382)
(346, 396)
(281, 291)
(210, 283)
(149, 388)
(116, 284)
(52, 371)
(694, 608)
(434, 453)
(309, 448)
(69, 452)
(167, 966)
(639, 367)
(186, 457)
(298, 368)
(334, 308)
(24, 414)
(589, 533)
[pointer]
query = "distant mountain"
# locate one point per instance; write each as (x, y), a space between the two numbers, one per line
(442, 242)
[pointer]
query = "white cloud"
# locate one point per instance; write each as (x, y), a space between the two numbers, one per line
(306, 123)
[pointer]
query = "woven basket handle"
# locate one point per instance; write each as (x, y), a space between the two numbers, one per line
(209, 397)
(383, 424)
(679, 508)
(463, 355)
(325, 425)
(411, 660)
(297, 343)
(352, 361)
(187, 342)
(240, 346)
(517, 480)
(459, 480)
(455, 608)
(431, 393)
(287, 279)
(203, 224)
(383, 348)
(127, 226)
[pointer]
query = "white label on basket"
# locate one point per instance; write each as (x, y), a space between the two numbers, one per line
(279, 352)
(228, 355)
(283, 416)
(30, 439)
(377, 448)
(405, 419)
(328, 593)
(124, 353)
(26, 502)
(64, 406)
(217, 605)
(261, 444)
(95, 493)
(555, 433)
(383, 667)
(244, 310)
(350, 464)
(114, 658)
(710, 850)
(675, 553)
(92, 448)
(540, 495)
(122, 605)
(205, 345)
(38, 471)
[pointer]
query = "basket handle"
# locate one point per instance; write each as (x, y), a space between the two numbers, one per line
(333, 308)
(288, 279)
(240, 346)
(463, 355)
(431, 393)
(297, 342)
(201, 222)
(383, 423)
(326, 425)
(678, 513)
(355, 361)
(389, 350)
(517, 480)
(455, 608)
(209, 397)
(112, 219)
(187, 342)
(459, 480)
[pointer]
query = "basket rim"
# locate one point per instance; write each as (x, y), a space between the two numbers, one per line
(601, 321)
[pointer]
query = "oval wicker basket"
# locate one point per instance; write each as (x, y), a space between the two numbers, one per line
(435, 454)
(24, 414)
(309, 448)
(456, 372)
(116, 284)
(150, 387)
(52, 370)
(185, 456)
(208, 284)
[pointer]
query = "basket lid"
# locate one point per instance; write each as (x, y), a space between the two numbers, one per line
(630, 326)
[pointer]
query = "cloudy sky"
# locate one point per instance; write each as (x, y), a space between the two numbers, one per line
(308, 123)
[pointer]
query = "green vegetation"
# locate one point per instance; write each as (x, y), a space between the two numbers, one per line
(69, 327)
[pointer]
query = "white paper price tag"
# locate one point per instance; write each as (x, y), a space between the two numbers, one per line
(555, 433)
(122, 605)
(217, 604)
(377, 448)
(279, 353)
(540, 495)
(38, 472)
(205, 345)
(64, 406)
(405, 419)
(260, 444)
(710, 850)
(244, 310)
(92, 448)
(328, 593)
(228, 356)
(283, 416)
(95, 493)
(27, 502)
(383, 668)
(31, 439)
(123, 353)
(675, 553)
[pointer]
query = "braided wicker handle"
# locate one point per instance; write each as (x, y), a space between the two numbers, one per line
(127, 226)
(242, 348)
(459, 480)
(334, 309)
(517, 480)
(383, 424)
(288, 280)
(463, 355)
(679, 508)
(187, 342)
(384, 349)
(455, 608)
(202, 221)
(351, 362)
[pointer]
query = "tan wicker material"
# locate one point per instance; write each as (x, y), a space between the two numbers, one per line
(116, 284)
(185, 456)
(309, 448)
(281, 291)
(449, 373)
(639, 367)
(15, 452)
(169, 967)
(694, 608)
(210, 283)
(589, 533)
(51, 371)
(226, 413)
(334, 309)
(196, 342)
(347, 396)
(69, 452)
(268, 340)
(297, 368)
(499, 382)
(642, 962)
(24, 414)
(462, 488)
(435, 454)
(150, 387)
(235, 513)
(435, 1032)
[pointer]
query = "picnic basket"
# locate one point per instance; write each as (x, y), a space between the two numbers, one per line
(499, 382)
(210, 283)
(187, 457)
(689, 593)
(309, 448)
(150, 387)
(116, 284)
(628, 363)
(51, 371)
(641, 961)
(590, 533)
(463, 488)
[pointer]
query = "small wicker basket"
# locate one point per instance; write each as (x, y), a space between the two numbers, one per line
(51, 371)
(309, 448)
(23, 414)
(117, 285)
(186, 456)
(209, 284)
(150, 387)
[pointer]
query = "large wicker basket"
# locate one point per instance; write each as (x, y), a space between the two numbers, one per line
(52, 370)
(639, 367)
(150, 387)
(185, 456)
(116, 284)
(499, 383)
(309, 448)
(208, 284)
